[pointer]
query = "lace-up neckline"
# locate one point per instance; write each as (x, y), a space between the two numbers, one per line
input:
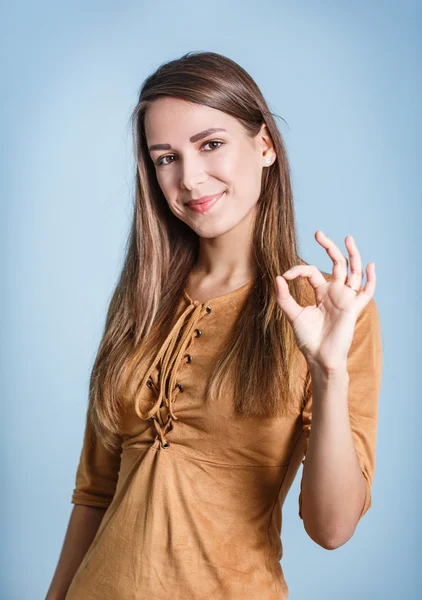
(171, 355)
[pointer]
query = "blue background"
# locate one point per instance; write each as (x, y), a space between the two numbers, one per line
(347, 79)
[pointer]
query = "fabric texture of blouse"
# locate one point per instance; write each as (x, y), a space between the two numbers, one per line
(194, 495)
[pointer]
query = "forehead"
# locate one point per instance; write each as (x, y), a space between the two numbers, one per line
(179, 119)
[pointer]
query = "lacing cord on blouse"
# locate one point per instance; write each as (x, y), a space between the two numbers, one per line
(171, 354)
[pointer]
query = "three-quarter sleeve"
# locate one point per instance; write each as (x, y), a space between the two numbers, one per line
(364, 365)
(97, 472)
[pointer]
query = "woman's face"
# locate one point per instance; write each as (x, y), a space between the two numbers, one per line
(193, 164)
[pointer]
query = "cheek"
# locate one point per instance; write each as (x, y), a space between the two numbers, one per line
(244, 175)
(164, 181)
(169, 188)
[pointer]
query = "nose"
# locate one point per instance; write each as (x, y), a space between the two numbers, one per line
(191, 172)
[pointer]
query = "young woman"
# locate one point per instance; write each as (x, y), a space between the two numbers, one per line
(225, 360)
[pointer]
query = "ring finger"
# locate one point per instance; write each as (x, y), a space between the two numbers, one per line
(355, 277)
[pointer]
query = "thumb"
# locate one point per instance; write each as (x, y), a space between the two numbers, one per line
(285, 300)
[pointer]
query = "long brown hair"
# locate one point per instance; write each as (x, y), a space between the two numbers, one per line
(261, 359)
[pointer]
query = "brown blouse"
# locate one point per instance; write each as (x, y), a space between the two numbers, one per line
(194, 498)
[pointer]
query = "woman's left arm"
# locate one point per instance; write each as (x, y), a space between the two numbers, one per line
(333, 489)
(340, 339)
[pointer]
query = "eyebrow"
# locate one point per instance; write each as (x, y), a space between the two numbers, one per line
(194, 138)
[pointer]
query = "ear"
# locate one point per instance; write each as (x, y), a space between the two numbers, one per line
(266, 143)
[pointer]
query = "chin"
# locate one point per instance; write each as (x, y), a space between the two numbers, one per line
(213, 230)
(209, 232)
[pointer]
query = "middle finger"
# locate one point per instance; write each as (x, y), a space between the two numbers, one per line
(340, 263)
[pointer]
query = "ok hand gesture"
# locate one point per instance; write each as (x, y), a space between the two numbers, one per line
(324, 331)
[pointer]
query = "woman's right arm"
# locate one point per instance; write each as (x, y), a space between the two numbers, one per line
(95, 486)
(83, 525)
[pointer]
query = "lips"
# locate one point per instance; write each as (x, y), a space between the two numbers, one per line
(204, 207)
(202, 200)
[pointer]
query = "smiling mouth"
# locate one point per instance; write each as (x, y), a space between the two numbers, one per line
(204, 207)
(203, 200)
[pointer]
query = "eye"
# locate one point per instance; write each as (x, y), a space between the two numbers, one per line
(160, 162)
(214, 142)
